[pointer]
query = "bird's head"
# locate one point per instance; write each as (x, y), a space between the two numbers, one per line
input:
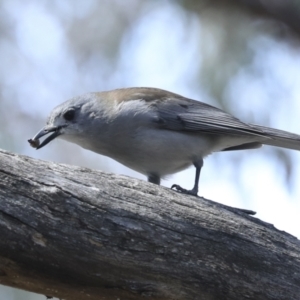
(71, 120)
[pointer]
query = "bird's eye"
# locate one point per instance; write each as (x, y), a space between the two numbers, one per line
(69, 115)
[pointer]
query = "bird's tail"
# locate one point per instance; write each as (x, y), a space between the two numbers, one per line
(279, 138)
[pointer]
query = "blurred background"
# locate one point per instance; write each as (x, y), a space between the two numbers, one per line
(241, 56)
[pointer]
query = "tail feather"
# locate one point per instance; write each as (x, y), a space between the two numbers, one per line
(279, 138)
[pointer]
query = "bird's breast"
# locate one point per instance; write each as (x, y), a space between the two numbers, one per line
(157, 151)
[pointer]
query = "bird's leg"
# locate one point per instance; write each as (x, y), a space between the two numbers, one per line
(194, 191)
(154, 179)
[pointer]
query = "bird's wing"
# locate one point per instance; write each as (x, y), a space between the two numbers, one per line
(189, 115)
(174, 112)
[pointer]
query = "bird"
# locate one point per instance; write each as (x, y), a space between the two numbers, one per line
(155, 132)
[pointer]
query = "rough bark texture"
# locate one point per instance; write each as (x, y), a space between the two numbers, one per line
(75, 233)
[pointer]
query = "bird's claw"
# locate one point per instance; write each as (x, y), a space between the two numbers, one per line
(179, 189)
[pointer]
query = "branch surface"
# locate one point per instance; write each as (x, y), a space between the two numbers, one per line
(75, 233)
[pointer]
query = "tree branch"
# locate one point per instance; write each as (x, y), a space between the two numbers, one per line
(75, 233)
(285, 12)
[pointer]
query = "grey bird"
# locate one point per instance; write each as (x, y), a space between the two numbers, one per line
(155, 132)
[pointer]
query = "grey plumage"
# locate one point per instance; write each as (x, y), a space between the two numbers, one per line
(155, 132)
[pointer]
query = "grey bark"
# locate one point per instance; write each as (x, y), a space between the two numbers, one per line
(76, 233)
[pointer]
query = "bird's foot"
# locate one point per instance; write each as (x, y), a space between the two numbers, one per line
(179, 189)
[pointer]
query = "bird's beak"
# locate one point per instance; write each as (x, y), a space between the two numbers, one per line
(35, 143)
